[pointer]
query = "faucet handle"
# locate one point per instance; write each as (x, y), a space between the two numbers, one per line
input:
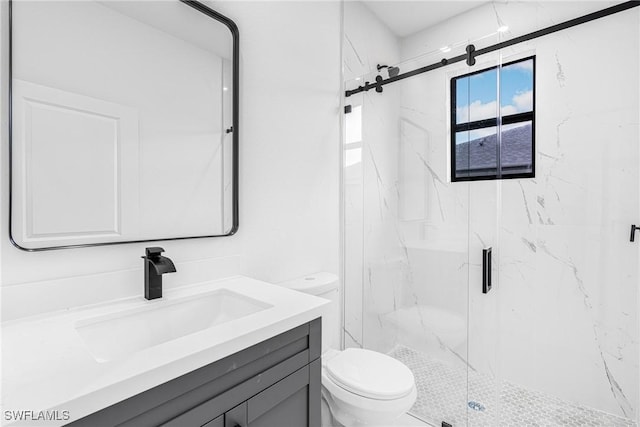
(154, 252)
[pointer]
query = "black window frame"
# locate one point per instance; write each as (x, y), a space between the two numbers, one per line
(493, 122)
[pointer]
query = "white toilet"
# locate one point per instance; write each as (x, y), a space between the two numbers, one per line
(359, 387)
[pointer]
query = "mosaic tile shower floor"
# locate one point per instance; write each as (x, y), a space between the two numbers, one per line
(442, 396)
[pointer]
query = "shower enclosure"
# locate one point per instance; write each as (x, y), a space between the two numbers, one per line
(518, 171)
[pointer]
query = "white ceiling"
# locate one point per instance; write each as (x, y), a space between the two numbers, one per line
(408, 17)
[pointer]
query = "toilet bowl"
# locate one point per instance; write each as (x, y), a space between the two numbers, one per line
(366, 388)
(359, 387)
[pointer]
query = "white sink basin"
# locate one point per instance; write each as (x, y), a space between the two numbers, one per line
(105, 353)
(119, 334)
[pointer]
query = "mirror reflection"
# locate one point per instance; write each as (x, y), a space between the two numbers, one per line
(122, 123)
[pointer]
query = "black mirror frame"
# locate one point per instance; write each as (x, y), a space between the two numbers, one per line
(235, 135)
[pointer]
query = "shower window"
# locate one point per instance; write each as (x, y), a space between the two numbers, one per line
(488, 142)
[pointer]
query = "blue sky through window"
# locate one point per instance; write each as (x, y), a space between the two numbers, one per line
(476, 96)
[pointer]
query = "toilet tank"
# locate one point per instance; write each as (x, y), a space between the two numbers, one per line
(323, 285)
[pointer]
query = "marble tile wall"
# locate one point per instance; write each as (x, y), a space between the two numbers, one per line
(562, 318)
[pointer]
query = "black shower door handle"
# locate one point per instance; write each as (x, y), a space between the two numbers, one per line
(634, 228)
(486, 270)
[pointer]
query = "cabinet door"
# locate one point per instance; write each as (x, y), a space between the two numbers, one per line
(284, 404)
(218, 422)
(236, 417)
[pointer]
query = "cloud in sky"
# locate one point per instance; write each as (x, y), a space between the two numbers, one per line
(521, 102)
(477, 110)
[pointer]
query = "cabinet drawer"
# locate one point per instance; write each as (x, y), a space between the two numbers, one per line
(227, 400)
(218, 422)
(285, 403)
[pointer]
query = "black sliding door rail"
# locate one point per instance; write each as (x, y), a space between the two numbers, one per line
(472, 52)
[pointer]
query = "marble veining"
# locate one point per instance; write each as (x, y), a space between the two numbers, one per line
(624, 403)
(358, 343)
(560, 74)
(436, 180)
(526, 204)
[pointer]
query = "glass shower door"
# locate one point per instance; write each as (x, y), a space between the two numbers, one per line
(477, 163)
(430, 326)
(406, 234)
(557, 337)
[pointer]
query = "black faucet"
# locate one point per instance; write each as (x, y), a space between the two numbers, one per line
(155, 265)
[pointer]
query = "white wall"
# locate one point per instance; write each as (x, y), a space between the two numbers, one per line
(289, 94)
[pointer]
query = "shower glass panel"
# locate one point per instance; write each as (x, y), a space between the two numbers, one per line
(535, 157)
(566, 311)
(406, 226)
(353, 221)
(484, 147)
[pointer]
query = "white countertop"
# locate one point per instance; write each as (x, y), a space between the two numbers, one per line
(46, 365)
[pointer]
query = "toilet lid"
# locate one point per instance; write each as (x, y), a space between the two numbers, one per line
(370, 374)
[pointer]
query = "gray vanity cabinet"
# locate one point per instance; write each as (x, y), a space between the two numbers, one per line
(275, 383)
(285, 403)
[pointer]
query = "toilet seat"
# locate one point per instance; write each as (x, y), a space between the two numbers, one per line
(370, 374)
(374, 407)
